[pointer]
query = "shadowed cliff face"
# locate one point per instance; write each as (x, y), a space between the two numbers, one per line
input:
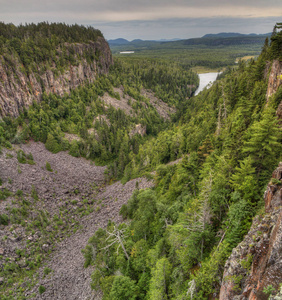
(256, 262)
(18, 90)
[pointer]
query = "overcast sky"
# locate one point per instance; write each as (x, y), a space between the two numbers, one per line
(150, 19)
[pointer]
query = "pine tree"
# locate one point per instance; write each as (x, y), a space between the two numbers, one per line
(159, 280)
(264, 143)
(244, 180)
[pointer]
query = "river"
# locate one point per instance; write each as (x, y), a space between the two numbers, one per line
(205, 79)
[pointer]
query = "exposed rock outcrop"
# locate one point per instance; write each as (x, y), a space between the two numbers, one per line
(274, 74)
(126, 102)
(18, 89)
(162, 108)
(256, 262)
(274, 79)
(139, 129)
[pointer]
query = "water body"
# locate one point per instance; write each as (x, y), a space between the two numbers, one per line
(205, 79)
(126, 52)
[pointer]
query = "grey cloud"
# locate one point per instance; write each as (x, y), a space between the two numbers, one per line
(14, 6)
(183, 28)
(149, 18)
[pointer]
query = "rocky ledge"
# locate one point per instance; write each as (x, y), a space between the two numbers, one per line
(254, 269)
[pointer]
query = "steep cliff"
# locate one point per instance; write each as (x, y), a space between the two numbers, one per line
(274, 79)
(19, 88)
(256, 264)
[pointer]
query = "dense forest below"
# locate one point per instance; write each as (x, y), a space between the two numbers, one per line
(210, 157)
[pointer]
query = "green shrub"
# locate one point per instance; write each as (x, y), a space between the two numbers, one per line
(123, 288)
(269, 290)
(4, 194)
(41, 289)
(276, 181)
(19, 193)
(123, 211)
(52, 145)
(74, 149)
(247, 263)
(30, 159)
(48, 167)
(8, 145)
(21, 157)
(47, 271)
(34, 193)
(29, 156)
(4, 219)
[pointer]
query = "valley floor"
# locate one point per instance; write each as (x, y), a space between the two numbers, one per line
(69, 279)
(72, 178)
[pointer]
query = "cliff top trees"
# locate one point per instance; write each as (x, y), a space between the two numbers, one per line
(33, 44)
(55, 32)
(275, 50)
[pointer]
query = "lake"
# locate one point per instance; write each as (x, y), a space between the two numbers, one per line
(205, 79)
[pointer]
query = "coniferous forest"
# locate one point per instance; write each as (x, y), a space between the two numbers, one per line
(210, 159)
(181, 233)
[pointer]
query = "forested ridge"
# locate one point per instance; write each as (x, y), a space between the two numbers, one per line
(226, 142)
(177, 236)
(42, 43)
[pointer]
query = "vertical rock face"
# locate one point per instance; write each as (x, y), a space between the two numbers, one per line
(18, 90)
(275, 79)
(257, 261)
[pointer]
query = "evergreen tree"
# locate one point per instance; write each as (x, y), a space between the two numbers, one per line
(159, 281)
(263, 143)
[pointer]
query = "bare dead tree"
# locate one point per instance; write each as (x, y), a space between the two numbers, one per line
(192, 288)
(116, 237)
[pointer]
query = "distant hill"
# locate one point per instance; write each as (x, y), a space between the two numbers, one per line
(121, 41)
(168, 40)
(218, 40)
(233, 34)
(136, 41)
(210, 40)
(118, 42)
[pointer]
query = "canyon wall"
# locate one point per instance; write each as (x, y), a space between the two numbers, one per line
(19, 89)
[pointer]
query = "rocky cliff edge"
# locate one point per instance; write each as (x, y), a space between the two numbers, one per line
(256, 263)
(19, 89)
